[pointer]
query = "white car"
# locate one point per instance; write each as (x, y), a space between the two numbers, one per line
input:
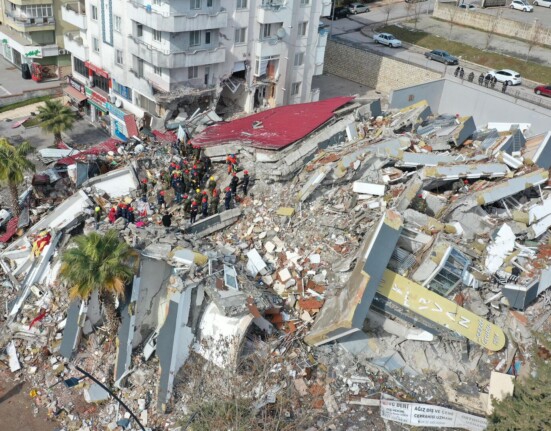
(544, 3)
(507, 75)
(521, 5)
(387, 39)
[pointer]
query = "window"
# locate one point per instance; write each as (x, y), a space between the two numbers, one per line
(36, 11)
(139, 30)
(195, 38)
(295, 88)
(193, 72)
(209, 3)
(95, 44)
(14, 6)
(124, 91)
(101, 82)
(207, 75)
(266, 30)
(299, 59)
(195, 4)
(156, 35)
(80, 67)
(118, 57)
(207, 38)
(240, 35)
(241, 4)
(117, 23)
(302, 27)
(94, 13)
(157, 70)
(304, 2)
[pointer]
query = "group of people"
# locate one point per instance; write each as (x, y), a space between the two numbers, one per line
(487, 80)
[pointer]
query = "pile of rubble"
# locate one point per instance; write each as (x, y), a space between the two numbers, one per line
(379, 259)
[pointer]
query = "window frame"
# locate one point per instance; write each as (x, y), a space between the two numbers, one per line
(242, 4)
(95, 44)
(157, 70)
(157, 35)
(195, 38)
(117, 52)
(237, 35)
(193, 72)
(195, 4)
(295, 88)
(303, 29)
(117, 23)
(300, 57)
(94, 12)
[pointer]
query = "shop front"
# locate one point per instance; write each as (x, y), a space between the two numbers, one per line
(98, 107)
(75, 94)
(123, 124)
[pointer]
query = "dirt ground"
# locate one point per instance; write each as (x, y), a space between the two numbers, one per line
(17, 408)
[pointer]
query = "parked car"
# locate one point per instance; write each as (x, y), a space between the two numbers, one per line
(506, 75)
(338, 13)
(544, 3)
(387, 39)
(543, 90)
(521, 5)
(467, 6)
(414, 1)
(441, 56)
(356, 8)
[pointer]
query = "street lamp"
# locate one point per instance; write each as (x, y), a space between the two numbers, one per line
(74, 381)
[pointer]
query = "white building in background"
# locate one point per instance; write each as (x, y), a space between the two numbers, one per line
(146, 57)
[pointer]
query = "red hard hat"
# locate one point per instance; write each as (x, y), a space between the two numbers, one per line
(185, 196)
(162, 193)
(186, 171)
(130, 209)
(228, 189)
(234, 174)
(194, 204)
(204, 200)
(194, 166)
(204, 192)
(144, 180)
(246, 172)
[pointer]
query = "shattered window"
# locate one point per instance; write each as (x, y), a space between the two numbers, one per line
(230, 277)
(450, 274)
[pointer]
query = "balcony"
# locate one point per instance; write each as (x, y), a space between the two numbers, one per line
(173, 23)
(23, 24)
(175, 59)
(74, 14)
(75, 45)
(157, 82)
(269, 47)
(272, 11)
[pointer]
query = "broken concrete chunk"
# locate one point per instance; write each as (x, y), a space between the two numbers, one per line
(284, 275)
(285, 211)
(95, 394)
(368, 188)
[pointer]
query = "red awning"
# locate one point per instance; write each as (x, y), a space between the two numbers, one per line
(11, 228)
(131, 126)
(74, 94)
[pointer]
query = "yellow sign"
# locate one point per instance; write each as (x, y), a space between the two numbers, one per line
(440, 310)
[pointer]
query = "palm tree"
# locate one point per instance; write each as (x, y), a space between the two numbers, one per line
(13, 165)
(55, 118)
(101, 262)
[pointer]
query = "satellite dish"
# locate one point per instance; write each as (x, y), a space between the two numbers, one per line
(281, 33)
(118, 103)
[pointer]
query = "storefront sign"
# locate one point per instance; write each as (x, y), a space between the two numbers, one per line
(96, 70)
(113, 110)
(34, 53)
(426, 415)
(75, 84)
(96, 99)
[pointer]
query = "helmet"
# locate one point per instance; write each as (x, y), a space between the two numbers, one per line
(198, 190)
(144, 180)
(186, 171)
(420, 195)
(194, 204)
(204, 200)
(185, 196)
(227, 189)
(162, 193)
(234, 174)
(194, 166)
(246, 172)
(212, 178)
(130, 209)
(204, 192)
(98, 209)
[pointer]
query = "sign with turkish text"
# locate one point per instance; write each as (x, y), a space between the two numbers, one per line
(75, 84)
(427, 415)
(34, 53)
(440, 310)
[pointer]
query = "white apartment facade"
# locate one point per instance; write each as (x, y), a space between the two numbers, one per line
(146, 56)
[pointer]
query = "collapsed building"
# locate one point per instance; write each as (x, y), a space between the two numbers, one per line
(413, 241)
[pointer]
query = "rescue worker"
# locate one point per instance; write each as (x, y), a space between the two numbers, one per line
(231, 160)
(233, 184)
(418, 203)
(131, 216)
(214, 204)
(112, 215)
(97, 216)
(205, 207)
(161, 198)
(504, 87)
(193, 212)
(227, 198)
(198, 195)
(143, 186)
(471, 77)
(211, 184)
(481, 79)
(246, 179)
(187, 203)
(205, 195)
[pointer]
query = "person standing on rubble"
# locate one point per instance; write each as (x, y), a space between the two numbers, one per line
(246, 179)
(198, 195)
(193, 212)
(97, 216)
(214, 204)
(233, 184)
(211, 185)
(112, 215)
(231, 160)
(161, 198)
(187, 203)
(205, 207)
(143, 186)
(196, 152)
(419, 204)
(227, 198)
(131, 216)
(166, 220)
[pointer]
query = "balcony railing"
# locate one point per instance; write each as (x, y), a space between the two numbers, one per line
(30, 21)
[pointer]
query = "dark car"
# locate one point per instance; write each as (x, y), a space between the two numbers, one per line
(441, 56)
(543, 90)
(339, 12)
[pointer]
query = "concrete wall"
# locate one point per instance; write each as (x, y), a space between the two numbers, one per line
(30, 94)
(485, 105)
(373, 70)
(486, 22)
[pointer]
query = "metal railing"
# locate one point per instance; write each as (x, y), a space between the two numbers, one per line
(169, 14)
(31, 21)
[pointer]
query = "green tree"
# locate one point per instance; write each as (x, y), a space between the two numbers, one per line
(529, 406)
(55, 118)
(13, 165)
(99, 262)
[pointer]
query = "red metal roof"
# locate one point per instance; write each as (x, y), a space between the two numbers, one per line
(103, 148)
(169, 136)
(276, 128)
(11, 228)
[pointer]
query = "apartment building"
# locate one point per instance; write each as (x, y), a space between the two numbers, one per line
(31, 32)
(151, 58)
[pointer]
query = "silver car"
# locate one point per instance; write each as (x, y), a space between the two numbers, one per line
(356, 8)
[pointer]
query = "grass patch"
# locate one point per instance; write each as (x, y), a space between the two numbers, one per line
(529, 70)
(24, 103)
